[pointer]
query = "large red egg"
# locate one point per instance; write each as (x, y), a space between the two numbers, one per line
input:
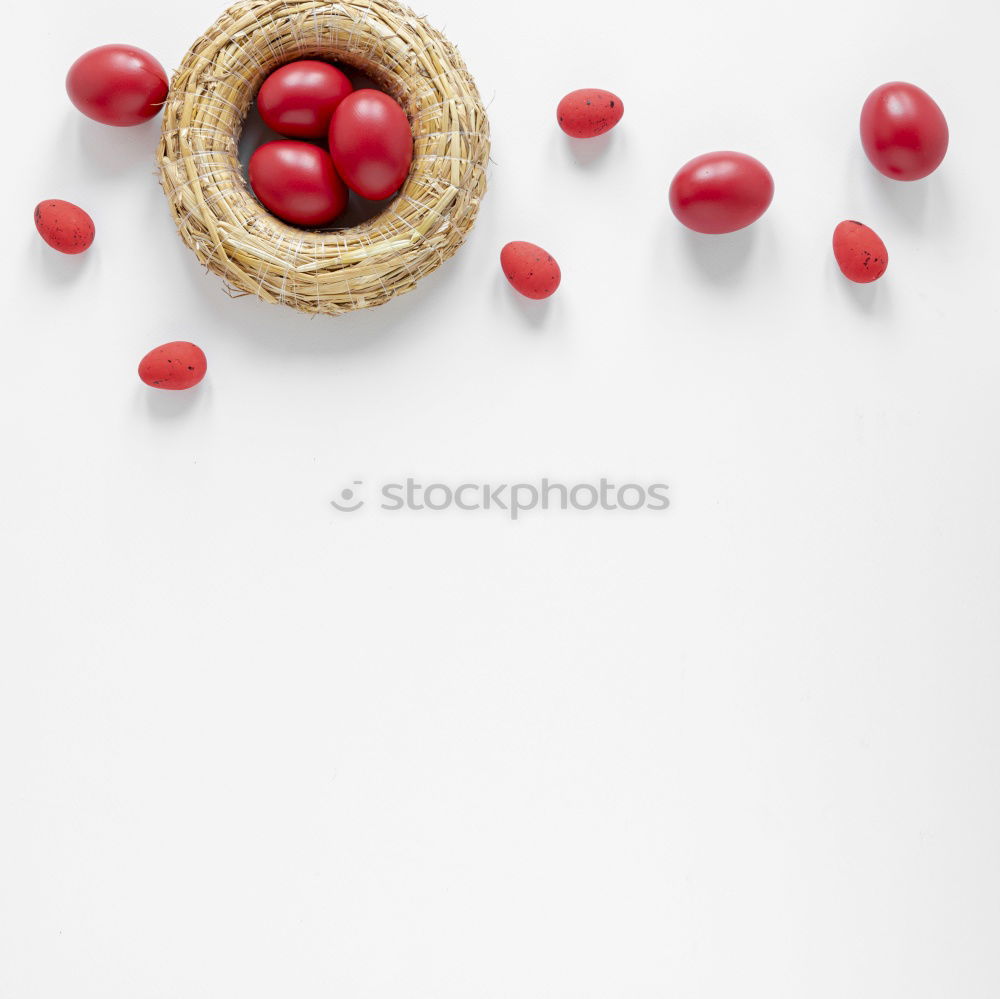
(296, 181)
(298, 100)
(117, 85)
(721, 192)
(371, 143)
(903, 131)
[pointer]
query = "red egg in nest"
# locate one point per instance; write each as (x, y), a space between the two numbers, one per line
(298, 100)
(297, 182)
(371, 143)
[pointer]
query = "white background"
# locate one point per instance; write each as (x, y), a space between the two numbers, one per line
(252, 747)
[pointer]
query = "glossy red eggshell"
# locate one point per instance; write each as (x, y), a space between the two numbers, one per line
(297, 182)
(177, 365)
(584, 114)
(721, 192)
(903, 131)
(117, 85)
(371, 143)
(860, 252)
(64, 226)
(530, 270)
(298, 100)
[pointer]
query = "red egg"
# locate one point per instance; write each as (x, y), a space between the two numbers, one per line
(296, 181)
(298, 100)
(117, 85)
(903, 131)
(861, 254)
(531, 271)
(64, 226)
(721, 192)
(371, 143)
(584, 114)
(177, 365)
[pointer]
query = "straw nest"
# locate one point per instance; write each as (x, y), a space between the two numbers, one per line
(322, 271)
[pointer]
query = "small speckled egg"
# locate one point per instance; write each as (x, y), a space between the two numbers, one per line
(531, 271)
(177, 365)
(584, 114)
(64, 226)
(861, 254)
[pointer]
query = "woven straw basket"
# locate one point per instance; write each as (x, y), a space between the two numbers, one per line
(334, 271)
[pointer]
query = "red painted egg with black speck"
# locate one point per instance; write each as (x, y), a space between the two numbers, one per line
(721, 192)
(531, 270)
(584, 114)
(64, 226)
(177, 365)
(860, 252)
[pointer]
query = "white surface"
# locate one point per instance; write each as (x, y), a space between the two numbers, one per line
(253, 747)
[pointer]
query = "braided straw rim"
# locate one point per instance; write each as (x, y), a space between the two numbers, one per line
(334, 271)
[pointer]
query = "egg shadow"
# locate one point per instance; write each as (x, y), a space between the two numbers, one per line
(361, 210)
(63, 268)
(872, 299)
(588, 152)
(721, 260)
(534, 312)
(254, 135)
(917, 204)
(169, 404)
(108, 150)
(909, 201)
(286, 331)
(602, 153)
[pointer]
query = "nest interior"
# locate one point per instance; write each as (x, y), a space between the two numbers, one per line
(322, 271)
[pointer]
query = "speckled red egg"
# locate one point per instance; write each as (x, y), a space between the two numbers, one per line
(177, 365)
(64, 226)
(584, 114)
(531, 270)
(861, 254)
